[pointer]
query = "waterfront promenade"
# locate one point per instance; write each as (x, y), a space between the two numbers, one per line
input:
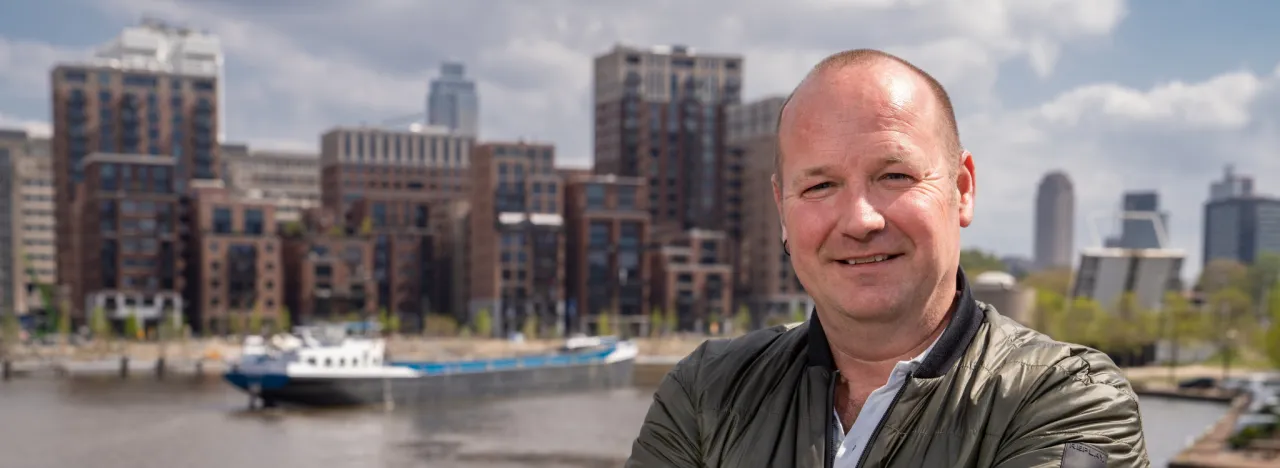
(1202, 446)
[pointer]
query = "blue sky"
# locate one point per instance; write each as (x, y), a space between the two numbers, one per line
(1121, 95)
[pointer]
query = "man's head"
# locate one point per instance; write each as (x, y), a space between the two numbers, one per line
(870, 168)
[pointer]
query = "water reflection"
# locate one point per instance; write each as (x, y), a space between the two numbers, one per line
(145, 423)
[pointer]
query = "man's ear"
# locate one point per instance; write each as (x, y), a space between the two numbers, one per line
(967, 187)
(777, 203)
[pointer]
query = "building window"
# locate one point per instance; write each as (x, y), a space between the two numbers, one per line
(595, 196)
(253, 221)
(626, 197)
(222, 220)
(107, 177)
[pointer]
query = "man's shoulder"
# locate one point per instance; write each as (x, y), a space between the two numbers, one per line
(719, 358)
(1023, 350)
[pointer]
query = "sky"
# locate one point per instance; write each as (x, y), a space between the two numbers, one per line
(1147, 95)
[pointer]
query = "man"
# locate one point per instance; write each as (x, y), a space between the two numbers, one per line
(898, 366)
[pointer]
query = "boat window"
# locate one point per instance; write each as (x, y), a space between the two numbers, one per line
(342, 362)
(375, 361)
(311, 361)
(328, 362)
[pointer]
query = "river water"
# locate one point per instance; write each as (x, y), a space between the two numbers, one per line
(202, 423)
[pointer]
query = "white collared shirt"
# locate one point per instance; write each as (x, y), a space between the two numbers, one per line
(873, 411)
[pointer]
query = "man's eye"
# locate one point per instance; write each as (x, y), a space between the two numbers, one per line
(819, 186)
(897, 176)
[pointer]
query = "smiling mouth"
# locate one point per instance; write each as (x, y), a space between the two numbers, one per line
(869, 259)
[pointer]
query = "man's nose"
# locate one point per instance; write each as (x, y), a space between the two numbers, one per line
(860, 218)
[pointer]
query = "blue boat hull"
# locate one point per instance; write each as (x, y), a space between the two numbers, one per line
(427, 389)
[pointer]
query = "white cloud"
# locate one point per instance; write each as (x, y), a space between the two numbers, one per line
(36, 128)
(1221, 103)
(342, 63)
(295, 72)
(1174, 138)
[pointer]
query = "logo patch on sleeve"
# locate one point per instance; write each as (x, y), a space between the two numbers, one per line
(1076, 455)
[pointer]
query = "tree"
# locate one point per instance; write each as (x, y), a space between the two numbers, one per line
(530, 327)
(1057, 280)
(656, 323)
(1050, 311)
(170, 325)
(1263, 276)
(63, 317)
(235, 323)
(976, 261)
(294, 229)
(284, 321)
(672, 321)
(1083, 323)
(1273, 332)
(797, 314)
(255, 320)
(133, 327)
(1183, 324)
(1220, 274)
(1231, 313)
(10, 331)
(441, 325)
(602, 324)
(393, 324)
(483, 324)
(366, 226)
(98, 324)
(384, 320)
(742, 321)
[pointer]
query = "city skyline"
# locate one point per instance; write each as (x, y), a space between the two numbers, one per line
(1096, 95)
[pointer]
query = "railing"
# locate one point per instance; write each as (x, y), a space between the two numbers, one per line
(490, 365)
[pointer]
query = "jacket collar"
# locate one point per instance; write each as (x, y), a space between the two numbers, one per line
(966, 317)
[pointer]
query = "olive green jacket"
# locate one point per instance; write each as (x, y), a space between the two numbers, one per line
(992, 393)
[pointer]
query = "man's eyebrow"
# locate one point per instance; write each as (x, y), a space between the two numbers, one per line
(815, 172)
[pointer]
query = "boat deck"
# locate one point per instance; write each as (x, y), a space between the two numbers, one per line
(489, 365)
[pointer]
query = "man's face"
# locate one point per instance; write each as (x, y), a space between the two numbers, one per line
(871, 201)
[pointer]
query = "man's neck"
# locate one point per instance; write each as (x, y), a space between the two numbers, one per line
(865, 350)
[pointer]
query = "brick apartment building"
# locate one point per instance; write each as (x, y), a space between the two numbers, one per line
(401, 187)
(516, 234)
(607, 241)
(127, 216)
(328, 274)
(234, 264)
(163, 115)
(660, 115)
(693, 275)
(767, 284)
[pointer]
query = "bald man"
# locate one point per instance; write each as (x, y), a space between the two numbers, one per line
(898, 366)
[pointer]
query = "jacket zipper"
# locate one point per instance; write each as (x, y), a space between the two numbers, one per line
(866, 449)
(830, 457)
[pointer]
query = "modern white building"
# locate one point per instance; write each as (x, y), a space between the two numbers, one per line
(160, 47)
(1106, 274)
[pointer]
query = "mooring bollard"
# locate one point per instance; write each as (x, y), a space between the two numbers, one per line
(124, 366)
(199, 368)
(160, 368)
(8, 369)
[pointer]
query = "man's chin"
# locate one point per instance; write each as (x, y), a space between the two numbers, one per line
(869, 310)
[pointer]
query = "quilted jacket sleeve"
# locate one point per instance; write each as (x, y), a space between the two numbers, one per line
(669, 436)
(1082, 413)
